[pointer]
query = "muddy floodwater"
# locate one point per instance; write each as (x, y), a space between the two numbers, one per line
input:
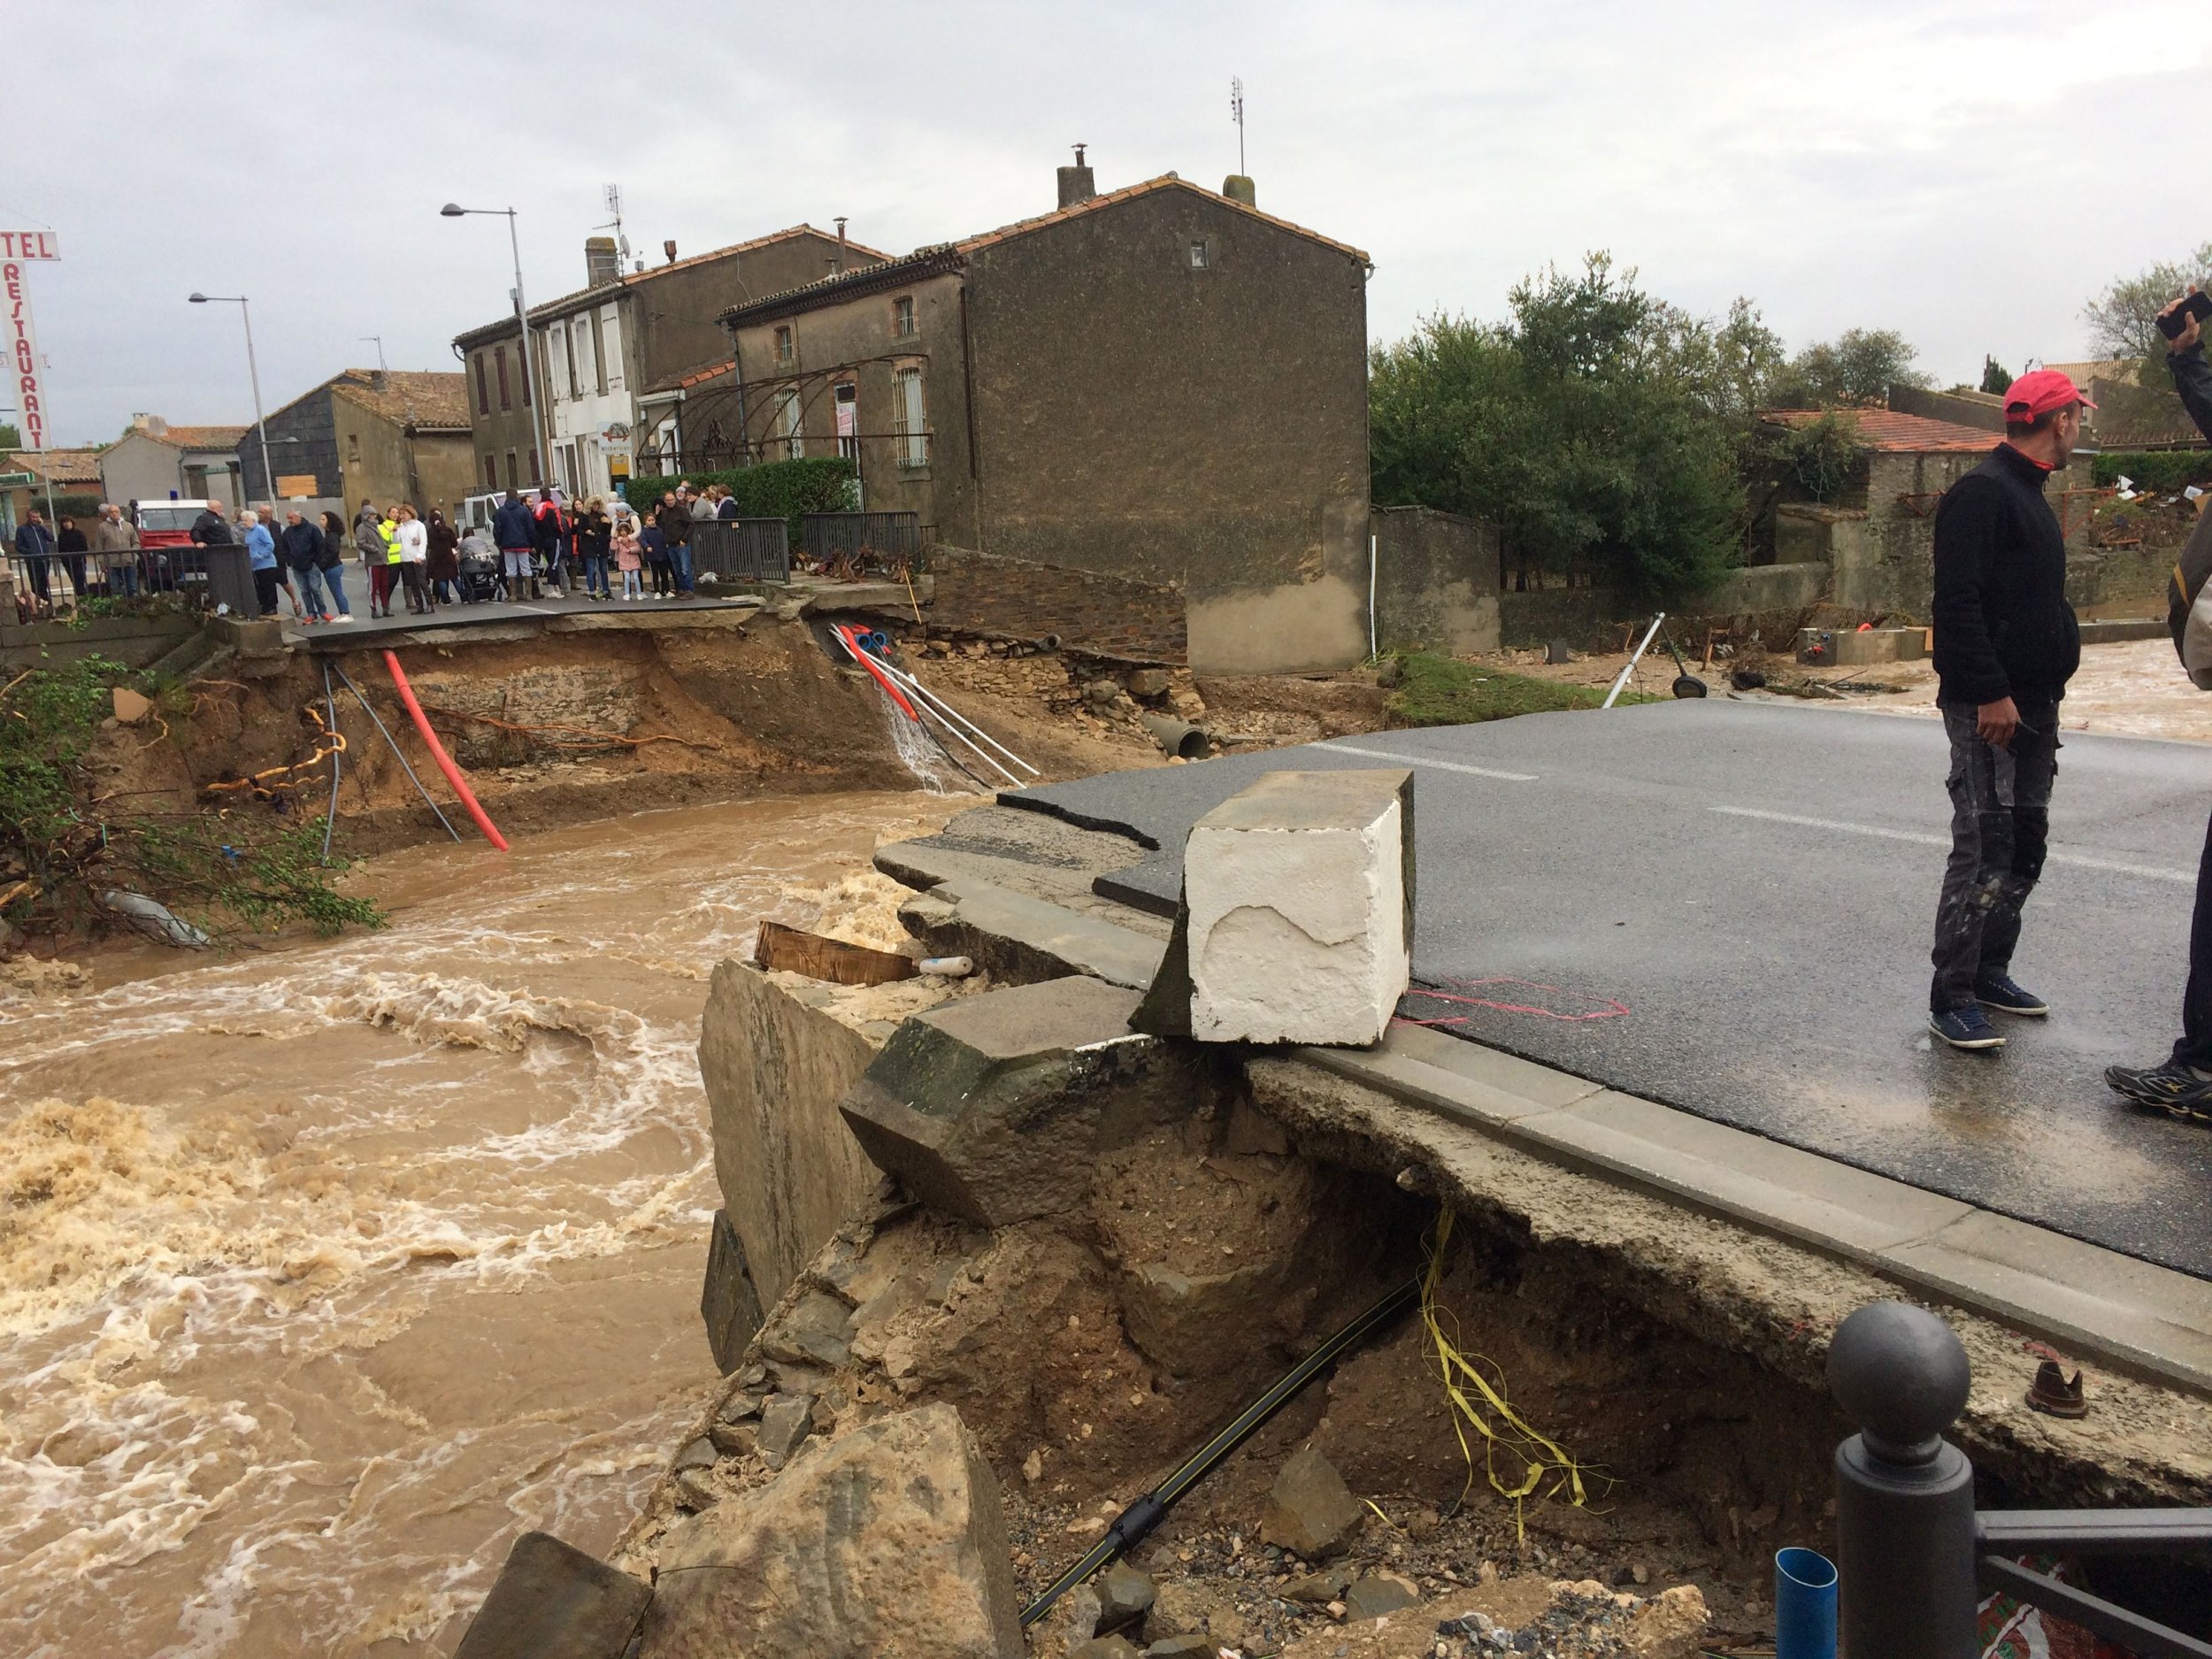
(326, 1269)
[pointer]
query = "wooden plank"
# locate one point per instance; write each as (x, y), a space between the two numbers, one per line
(795, 950)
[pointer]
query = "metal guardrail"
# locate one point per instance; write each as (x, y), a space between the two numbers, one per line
(202, 576)
(743, 550)
(862, 540)
(1915, 1557)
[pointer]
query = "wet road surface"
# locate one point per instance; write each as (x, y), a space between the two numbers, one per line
(1726, 906)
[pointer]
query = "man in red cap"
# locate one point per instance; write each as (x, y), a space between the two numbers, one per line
(2182, 1083)
(2006, 643)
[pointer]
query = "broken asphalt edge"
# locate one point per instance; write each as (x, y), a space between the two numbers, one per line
(2129, 1314)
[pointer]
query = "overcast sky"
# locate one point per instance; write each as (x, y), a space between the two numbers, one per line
(1967, 171)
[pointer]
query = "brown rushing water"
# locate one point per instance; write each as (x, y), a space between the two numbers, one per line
(326, 1270)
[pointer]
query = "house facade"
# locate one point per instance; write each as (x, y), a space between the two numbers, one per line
(596, 350)
(155, 461)
(370, 434)
(1161, 383)
(58, 473)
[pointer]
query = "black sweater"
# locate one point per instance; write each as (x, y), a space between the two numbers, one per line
(2002, 625)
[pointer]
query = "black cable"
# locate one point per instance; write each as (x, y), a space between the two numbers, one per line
(1136, 1523)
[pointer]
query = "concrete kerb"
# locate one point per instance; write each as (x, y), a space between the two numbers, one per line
(2130, 1315)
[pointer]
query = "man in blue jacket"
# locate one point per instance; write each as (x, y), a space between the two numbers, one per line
(516, 536)
(2182, 1083)
(35, 546)
(2006, 643)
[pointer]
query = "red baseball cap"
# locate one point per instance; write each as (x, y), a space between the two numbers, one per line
(2039, 392)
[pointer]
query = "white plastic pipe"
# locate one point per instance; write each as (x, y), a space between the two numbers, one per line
(893, 675)
(908, 682)
(1371, 652)
(1650, 633)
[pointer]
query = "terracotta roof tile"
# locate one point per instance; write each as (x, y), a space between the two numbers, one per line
(1890, 432)
(217, 440)
(63, 466)
(431, 399)
(551, 309)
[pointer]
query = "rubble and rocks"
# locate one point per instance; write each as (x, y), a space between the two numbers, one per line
(553, 1602)
(1310, 1512)
(889, 1540)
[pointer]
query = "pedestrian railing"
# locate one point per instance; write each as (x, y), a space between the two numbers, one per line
(846, 543)
(41, 581)
(1914, 1556)
(741, 550)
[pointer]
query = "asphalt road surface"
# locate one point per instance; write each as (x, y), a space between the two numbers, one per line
(1726, 906)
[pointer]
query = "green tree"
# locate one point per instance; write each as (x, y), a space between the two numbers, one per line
(1822, 456)
(1600, 428)
(10, 438)
(2123, 320)
(1856, 369)
(1996, 379)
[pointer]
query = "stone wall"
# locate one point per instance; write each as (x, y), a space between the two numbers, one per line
(1111, 616)
(1769, 597)
(1436, 581)
(137, 641)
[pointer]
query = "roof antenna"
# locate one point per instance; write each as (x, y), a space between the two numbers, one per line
(614, 207)
(1236, 114)
(378, 341)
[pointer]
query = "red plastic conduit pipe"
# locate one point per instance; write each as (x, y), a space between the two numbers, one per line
(437, 753)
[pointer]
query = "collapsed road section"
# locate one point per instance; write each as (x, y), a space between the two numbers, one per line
(993, 1278)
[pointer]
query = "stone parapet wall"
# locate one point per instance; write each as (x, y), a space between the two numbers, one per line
(1110, 616)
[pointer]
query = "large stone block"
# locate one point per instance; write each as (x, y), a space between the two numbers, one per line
(889, 1540)
(1299, 891)
(729, 1302)
(553, 1602)
(992, 1108)
(774, 1071)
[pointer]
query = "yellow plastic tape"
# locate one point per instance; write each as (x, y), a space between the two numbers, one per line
(1494, 1420)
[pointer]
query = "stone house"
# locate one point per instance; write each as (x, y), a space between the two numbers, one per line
(377, 434)
(155, 461)
(596, 350)
(1878, 535)
(71, 472)
(1161, 383)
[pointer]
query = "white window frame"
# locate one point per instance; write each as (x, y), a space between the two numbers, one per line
(910, 410)
(790, 425)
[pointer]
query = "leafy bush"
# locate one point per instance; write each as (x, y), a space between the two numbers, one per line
(1822, 457)
(1444, 691)
(2152, 469)
(772, 489)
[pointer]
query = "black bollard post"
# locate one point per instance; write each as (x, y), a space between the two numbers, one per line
(1904, 1495)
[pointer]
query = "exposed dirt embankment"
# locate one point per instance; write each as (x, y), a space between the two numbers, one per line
(562, 729)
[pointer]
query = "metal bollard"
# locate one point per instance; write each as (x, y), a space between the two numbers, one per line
(1904, 1495)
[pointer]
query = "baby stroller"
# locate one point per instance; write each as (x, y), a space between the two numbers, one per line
(480, 570)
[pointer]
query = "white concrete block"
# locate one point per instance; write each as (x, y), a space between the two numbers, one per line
(1298, 889)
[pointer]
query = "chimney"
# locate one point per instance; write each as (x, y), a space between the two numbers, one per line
(669, 248)
(1238, 187)
(601, 264)
(1076, 184)
(152, 425)
(841, 241)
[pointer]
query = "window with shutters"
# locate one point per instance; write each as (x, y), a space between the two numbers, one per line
(491, 462)
(786, 347)
(790, 435)
(902, 317)
(483, 388)
(911, 419)
(506, 398)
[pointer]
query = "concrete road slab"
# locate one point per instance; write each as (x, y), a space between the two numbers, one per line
(1726, 907)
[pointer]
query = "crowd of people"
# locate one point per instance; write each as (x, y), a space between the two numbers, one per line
(535, 547)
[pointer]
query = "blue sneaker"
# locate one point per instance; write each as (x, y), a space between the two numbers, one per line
(1965, 1027)
(2000, 993)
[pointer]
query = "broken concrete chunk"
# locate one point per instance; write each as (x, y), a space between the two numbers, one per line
(993, 1108)
(1125, 1596)
(816, 1332)
(889, 1540)
(1107, 1648)
(1378, 1594)
(785, 1421)
(728, 1302)
(553, 1602)
(1301, 895)
(1310, 1512)
(774, 1069)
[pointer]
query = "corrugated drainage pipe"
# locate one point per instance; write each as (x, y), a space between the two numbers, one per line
(1178, 737)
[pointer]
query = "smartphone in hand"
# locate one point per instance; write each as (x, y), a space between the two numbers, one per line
(2197, 306)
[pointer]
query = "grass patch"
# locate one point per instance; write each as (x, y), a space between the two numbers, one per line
(1444, 691)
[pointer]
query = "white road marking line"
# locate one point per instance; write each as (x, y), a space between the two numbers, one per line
(2080, 861)
(1441, 766)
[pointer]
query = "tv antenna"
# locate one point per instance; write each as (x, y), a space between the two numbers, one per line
(1236, 114)
(378, 341)
(613, 197)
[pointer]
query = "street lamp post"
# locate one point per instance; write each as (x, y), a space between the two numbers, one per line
(538, 433)
(268, 478)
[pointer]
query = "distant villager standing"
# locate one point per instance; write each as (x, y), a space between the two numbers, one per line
(261, 555)
(368, 537)
(595, 535)
(674, 520)
(444, 566)
(115, 540)
(332, 567)
(35, 546)
(517, 536)
(414, 556)
(301, 546)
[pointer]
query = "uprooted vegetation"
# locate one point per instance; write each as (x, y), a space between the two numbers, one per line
(1434, 690)
(251, 865)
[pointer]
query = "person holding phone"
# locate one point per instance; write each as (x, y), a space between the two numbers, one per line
(2006, 643)
(2181, 1084)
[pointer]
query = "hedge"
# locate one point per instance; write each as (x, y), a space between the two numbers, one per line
(2152, 469)
(772, 489)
